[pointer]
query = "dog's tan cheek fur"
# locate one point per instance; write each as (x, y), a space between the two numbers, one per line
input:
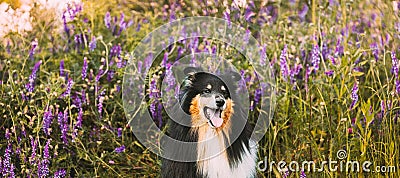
(195, 112)
(227, 113)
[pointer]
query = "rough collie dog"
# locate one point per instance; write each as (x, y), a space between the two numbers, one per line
(217, 126)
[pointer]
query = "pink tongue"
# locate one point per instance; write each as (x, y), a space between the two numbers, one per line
(216, 120)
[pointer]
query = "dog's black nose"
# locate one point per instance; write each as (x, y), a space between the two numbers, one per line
(220, 102)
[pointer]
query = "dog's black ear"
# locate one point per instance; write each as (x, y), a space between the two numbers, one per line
(191, 70)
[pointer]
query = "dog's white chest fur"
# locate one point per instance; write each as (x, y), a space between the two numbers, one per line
(217, 165)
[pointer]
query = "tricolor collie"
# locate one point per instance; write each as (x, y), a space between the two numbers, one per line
(216, 125)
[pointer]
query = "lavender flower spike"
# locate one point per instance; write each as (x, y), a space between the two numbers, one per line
(100, 104)
(375, 50)
(395, 64)
(84, 68)
(263, 55)
(47, 120)
(69, 87)
(62, 68)
(8, 167)
(31, 84)
(315, 59)
(283, 63)
(61, 173)
(354, 95)
(34, 45)
(43, 166)
(92, 44)
(120, 149)
(107, 20)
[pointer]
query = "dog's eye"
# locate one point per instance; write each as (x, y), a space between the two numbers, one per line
(206, 91)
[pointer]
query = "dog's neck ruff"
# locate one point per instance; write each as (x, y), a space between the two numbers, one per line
(213, 160)
(213, 157)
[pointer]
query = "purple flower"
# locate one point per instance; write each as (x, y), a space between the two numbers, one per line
(34, 147)
(83, 93)
(120, 149)
(63, 123)
(122, 18)
(78, 41)
(138, 27)
(263, 55)
(329, 73)
(97, 79)
(248, 14)
(66, 28)
(92, 44)
(8, 166)
(47, 120)
(315, 59)
(257, 95)
(332, 59)
(165, 60)
(395, 65)
(31, 85)
(84, 68)
(302, 174)
(303, 12)
(79, 118)
(246, 37)
(397, 84)
(375, 50)
(116, 51)
(67, 91)
(73, 9)
(62, 68)
(383, 106)
(242, 82)
(46, 154)
(8, 134)
(339, 48)
(294, 72)
(78, 124)
(325, 50)
(227, 17)
(283, 63)
(100, 104)
(354, 95)
(110, 75)
(43, 169)
(119, 132)
(34, 45)
(61, 173)
(107, 20)
(169, 77)
(286, 174)
(155, 95)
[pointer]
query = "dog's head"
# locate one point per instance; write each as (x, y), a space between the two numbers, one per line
(206, 97)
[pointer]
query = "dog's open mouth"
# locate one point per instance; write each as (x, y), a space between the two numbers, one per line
(213, 116)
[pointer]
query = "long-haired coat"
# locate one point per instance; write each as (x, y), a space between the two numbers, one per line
(217, 127)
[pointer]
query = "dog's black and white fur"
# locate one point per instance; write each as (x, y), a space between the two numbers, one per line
(213, 114)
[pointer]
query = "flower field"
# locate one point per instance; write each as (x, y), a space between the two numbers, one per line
(62, 65)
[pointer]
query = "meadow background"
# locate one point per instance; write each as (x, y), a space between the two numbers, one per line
(62, 64)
